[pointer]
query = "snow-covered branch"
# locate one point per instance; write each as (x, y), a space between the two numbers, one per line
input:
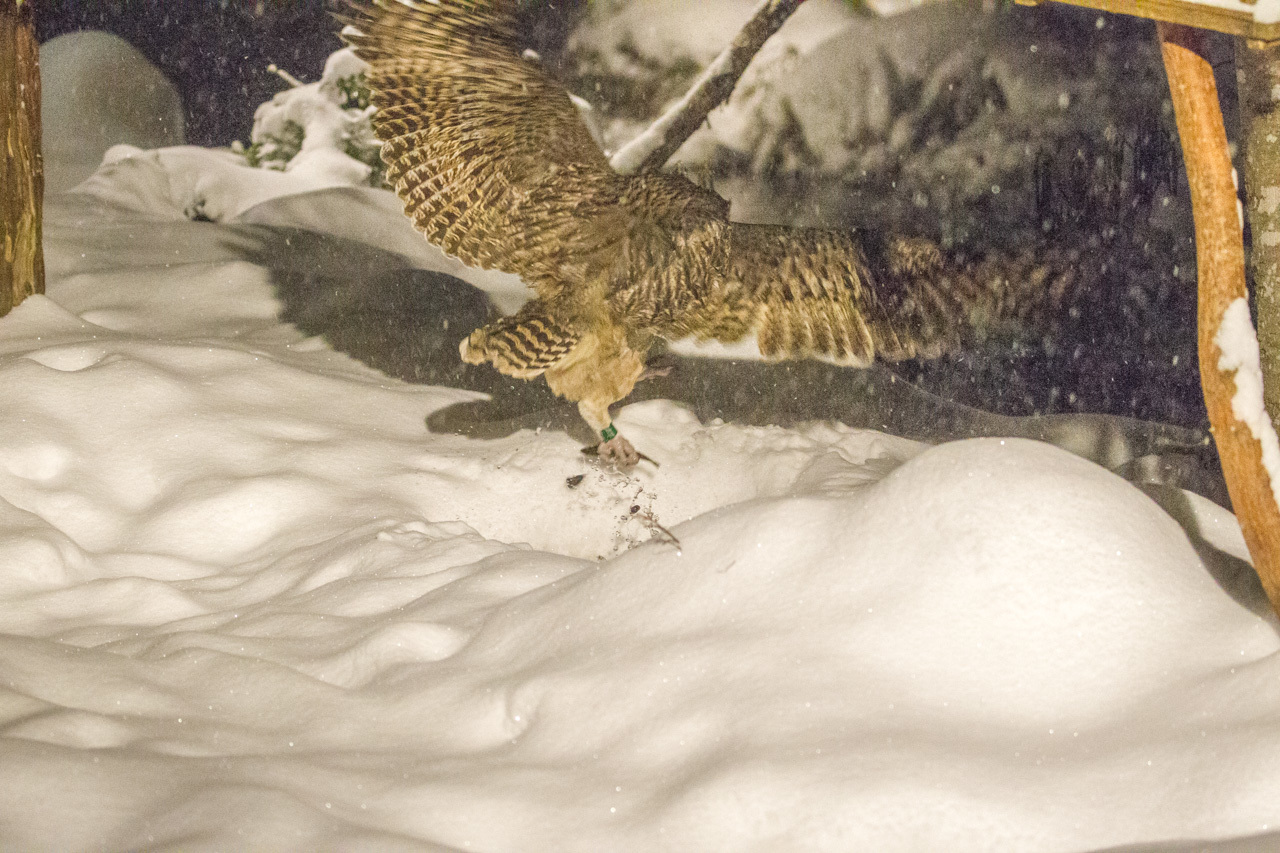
(652, 148)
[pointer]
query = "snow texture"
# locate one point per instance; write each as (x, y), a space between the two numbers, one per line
(98, 91)
(249, 602)
(1240, 356)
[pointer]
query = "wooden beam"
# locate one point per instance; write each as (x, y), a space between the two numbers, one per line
(1236, 22)
(1220, 273)
(21, 166)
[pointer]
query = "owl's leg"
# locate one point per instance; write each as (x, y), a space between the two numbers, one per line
(614, 448)
(601, 370)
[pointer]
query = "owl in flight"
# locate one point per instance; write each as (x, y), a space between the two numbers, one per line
(495, 166)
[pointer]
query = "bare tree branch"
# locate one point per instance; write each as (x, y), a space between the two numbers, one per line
(652, 148)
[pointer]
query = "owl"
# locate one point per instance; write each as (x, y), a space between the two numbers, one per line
(496, 167)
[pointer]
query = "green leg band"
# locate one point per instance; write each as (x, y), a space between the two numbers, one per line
(609, 433)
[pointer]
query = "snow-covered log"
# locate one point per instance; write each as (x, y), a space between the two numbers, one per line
(21, 170)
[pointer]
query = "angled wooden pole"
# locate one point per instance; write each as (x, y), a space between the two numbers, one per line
(1237, 430)
(21, 165)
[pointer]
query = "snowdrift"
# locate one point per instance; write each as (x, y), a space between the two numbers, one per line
(248, 600)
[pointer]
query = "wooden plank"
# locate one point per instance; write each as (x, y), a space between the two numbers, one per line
(21, 169)
(1235, 22)
(1220, 274)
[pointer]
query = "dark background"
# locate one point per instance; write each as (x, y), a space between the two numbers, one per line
(217, 51)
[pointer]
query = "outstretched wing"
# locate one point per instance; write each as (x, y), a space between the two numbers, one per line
(489, 155)
(817, 293)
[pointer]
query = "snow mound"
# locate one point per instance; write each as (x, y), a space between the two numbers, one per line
(99, 91)
(251, 584)
(957, 639)
(328, 128)
(219, 185)
(249, 601)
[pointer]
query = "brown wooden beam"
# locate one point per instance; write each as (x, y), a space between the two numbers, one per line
(1234, 22)
(21, 166)
(1220, 273)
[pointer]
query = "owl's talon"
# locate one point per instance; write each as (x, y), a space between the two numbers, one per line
(618, 452)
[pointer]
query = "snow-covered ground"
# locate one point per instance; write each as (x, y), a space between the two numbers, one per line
(249, 601)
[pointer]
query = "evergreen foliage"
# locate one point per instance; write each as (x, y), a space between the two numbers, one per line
(274, 151)
(276, 148)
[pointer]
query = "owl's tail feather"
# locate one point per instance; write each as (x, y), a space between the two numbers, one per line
(522, 345)
(983, 291)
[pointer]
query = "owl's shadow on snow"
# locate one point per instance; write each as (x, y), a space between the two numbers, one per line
(377, 307)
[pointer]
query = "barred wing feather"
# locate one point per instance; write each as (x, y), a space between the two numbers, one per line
(489, 155)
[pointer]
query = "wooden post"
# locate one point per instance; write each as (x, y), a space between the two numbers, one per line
(1258, 76)
(1220, 271)
(21, 166)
